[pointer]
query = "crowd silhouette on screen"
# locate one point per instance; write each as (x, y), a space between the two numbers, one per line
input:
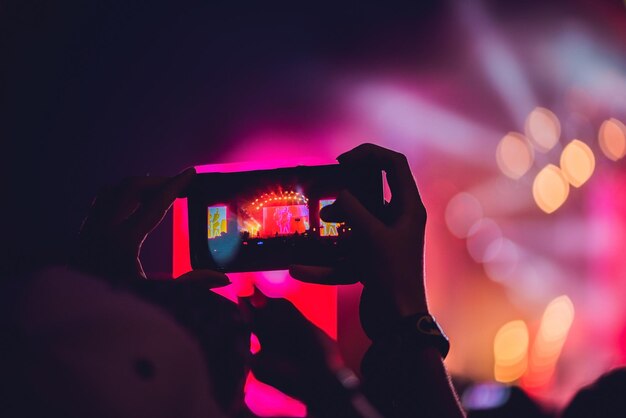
(98, 338)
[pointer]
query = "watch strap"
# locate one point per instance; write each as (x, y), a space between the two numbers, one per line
(423, 330)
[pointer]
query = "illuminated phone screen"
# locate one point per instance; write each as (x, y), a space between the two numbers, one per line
(271, 215)
(270, 219)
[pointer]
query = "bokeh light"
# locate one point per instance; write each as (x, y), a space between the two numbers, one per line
(577, 162)
(483, 240)
(550, 189)
(463, 211)
(510, 350)
(612, 138)
(555, 325)
(514, 155)
(504, 260)
(543, 129)
(485, 396)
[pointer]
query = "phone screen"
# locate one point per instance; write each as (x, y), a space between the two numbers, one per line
(266, 220)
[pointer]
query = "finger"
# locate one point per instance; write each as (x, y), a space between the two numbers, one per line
(311, 274)
(399, 176)
(269, 318)
(249, 307)
(258, 299)
(142, 184)
(153, 209)
(115, 204)
(100, 212)
(332, 213)
(262, 366)
(207, 278)
(323, 275)
(260, 322)
(274, 371)
(356, 214)
(131, 192)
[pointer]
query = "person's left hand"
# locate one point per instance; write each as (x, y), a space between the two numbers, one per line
(120, 219)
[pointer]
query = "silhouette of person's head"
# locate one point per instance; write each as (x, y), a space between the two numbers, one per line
(217, 324)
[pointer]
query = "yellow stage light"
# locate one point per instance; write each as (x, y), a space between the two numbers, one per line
(577, 163)
(550, 189)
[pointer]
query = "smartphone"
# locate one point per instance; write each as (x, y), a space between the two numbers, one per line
(269, 219)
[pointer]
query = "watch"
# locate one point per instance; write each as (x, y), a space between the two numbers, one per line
(422, 329)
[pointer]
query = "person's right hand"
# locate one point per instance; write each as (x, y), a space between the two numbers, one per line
(388, 255)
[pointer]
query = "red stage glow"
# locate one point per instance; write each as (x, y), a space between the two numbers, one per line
(316, 302)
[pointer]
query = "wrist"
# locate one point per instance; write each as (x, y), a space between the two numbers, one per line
(342, 398)
(328, 399)
(381, 307)
(407, 291)
(421, 330)
(410, 303)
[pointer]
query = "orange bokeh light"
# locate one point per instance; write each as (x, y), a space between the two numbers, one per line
(577, 162)
(612, 139)
(514, 155)
(543, 129)
(555, 325)
(550, 188)
(510, 349)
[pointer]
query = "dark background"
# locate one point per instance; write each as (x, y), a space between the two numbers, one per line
(96, 91)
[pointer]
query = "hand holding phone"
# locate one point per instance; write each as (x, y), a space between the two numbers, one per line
(387, 255)
(270, 219)
(120, 219)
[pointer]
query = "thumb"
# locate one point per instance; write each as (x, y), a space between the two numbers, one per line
(356, 214)
(208, 278)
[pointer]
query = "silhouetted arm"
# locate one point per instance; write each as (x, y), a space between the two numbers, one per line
(403, 372)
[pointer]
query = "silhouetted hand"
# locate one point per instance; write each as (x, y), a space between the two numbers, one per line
(296, 357)
(120, 219)
(388, 253)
